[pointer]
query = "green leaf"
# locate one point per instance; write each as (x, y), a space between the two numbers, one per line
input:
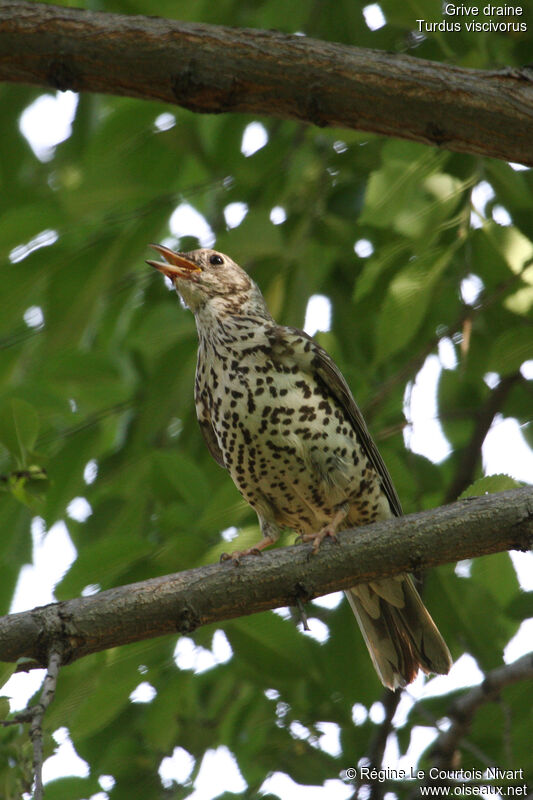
(15, 547)
(406, 302)
(72, 788)
(6, 671)
(19, 426)
(91, 379)
(347, 200)
(490, 485)
(273, 643)
(101, 562)
(510, 185)
(108, 698)
(175, 474)
(516, 248)
(497, 573)
(379, 264)
(401, 194)
(472, 620)
(65, 470)
(20, 486)
(511, 349)
(4, 707)
(256, 227)
(21, 224)
(520, 606)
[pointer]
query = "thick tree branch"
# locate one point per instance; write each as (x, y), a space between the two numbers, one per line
(182, 602)
(215, 69)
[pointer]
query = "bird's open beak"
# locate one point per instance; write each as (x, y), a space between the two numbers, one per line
(176, 265)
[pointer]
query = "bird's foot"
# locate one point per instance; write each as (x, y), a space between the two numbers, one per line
(238, 554)
(250, 551)
(328, 531)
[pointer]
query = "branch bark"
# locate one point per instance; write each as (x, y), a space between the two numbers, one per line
(182, 602)
(214, 69)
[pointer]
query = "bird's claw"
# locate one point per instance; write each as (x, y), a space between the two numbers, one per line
(238, 554)
(230, 557)
(328, 531)
(317, 538)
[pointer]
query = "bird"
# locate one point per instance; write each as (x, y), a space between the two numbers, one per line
(276, 412)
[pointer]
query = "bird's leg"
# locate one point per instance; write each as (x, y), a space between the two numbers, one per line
(328, 530)
(270, 533)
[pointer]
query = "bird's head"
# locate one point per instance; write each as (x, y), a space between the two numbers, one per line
(204, 276)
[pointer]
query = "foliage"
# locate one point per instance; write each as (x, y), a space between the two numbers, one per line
(107, 378)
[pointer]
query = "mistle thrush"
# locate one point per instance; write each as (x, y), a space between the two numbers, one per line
(276, 412)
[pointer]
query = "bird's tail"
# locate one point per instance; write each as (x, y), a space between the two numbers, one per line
(400, 635)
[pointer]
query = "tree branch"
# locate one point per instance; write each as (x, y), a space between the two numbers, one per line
(378, 788)
(214, 69)
(184, 601)
(409, 369)
(463, 709)
(35, 715)
(38, 712)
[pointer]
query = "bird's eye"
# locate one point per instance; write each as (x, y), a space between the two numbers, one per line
(216, 260)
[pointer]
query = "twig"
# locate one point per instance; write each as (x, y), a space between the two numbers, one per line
(302, 614)
(35, 714)
(472, 452)
(463, 709)
(378, 743)
(411, 367)
(420, 708)
(36, 726)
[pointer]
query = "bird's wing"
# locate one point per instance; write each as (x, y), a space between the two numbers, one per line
(211, 440)
(313, 359)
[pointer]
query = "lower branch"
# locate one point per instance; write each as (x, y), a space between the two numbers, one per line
(38, 712)
(376, 750)
(182, 602)
(35, 715)
(462, 711)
